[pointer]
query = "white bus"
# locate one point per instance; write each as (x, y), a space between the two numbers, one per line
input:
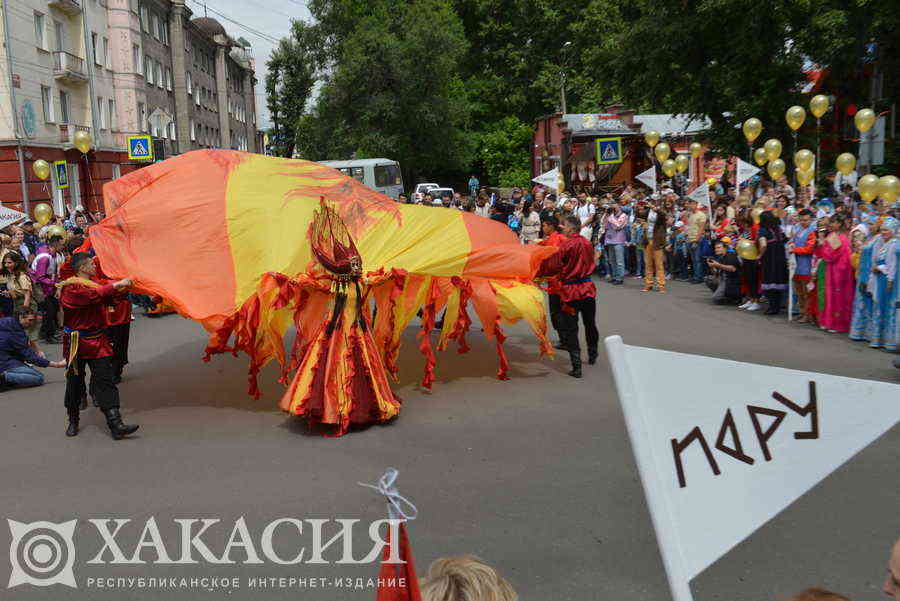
(382, 175)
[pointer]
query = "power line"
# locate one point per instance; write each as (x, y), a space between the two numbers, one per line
(259, 34)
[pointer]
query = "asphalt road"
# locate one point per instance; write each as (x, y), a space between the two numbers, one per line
(535, 474)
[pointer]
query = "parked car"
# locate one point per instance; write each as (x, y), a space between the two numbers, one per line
(382, 175)
(421, 189)
(437, 193)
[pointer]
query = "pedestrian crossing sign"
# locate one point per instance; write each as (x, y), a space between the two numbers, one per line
(140, 148)
(609, 151)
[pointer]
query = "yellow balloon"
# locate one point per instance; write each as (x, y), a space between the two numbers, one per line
(712, 181)
(41, 169)
(818, 106)
(889, 187)
(662, 150)
(43, 213)
(773, 149)
(804, 159)
(682, 162)
(805, 176)
(845, 163)
(696, 149)
(747, 250)
(759, 155)
(669, 167)
(83, 141)
(56, 230)
(795, 117)
(752, 128)
(868, 187)
(776, 168)
(864, 120)
(651, 137)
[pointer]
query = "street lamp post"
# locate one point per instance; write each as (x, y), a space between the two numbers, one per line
(562, 77)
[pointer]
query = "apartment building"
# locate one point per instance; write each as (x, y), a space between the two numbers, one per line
(115, 68)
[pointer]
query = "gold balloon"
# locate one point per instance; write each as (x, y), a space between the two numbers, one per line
(696, 149)
(776, 168)
(868, 187)
(747, 250)
(711, 181)
(41, 169)
(759, 155)
(682, 162)
(864, 120)
(818, 106)
(773, 149)
(662, 150)
(795, 117)
(83, 141)
(651, 138)
(752, 128)
(889, 187)
(43, 213)
(56, 230)
(805, 176)
(668, 167)
(845, 163)
(803, 159)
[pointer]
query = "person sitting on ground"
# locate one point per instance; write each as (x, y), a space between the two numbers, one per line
(727, 275)
(16, 352)
(464, 578)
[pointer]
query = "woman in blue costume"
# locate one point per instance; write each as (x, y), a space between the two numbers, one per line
(862, 299)
(881, 284)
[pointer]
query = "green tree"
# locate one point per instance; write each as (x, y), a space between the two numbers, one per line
(289, 81)
(503, 150)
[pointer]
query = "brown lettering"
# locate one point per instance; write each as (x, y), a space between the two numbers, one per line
(764, 437)
(738, 451)
(678, 447)
(811, 409)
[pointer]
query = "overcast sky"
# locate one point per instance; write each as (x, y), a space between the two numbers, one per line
(273, 19)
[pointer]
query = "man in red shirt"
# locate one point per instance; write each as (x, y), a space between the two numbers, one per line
(552, 237)
(572, 267)
(85, 306)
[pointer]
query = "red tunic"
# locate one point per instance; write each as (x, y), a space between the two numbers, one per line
(572, 267)
(555, 239)
(119, 307)
(85, 309)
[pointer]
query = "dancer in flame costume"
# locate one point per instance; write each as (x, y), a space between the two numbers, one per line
(341, 379)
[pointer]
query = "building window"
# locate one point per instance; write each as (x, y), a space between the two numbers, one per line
(154, 25)
(111, 106)
(136, 58)
(60, 36)
(101, 114)
(190, 84)
(168, 79)
(172, 131)
(94, 49)
(116, 171)
(163, 31)
(142, 117)
(197, 97)
(159, 76)
(107, 58)
(39, 24)
(145, 19)
(47, 103)
(193, 131)
(63, 107)
(148, 69)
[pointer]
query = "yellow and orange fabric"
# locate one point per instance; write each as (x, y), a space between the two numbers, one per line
(224, 237)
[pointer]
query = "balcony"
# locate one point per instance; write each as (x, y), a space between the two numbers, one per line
(67, 132)
(68, 68)
(70, 7)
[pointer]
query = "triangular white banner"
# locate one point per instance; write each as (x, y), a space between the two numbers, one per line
(745, 171)
(701, 195)
(548, 179)
(715, 467)
(648, 178)
(9, 216)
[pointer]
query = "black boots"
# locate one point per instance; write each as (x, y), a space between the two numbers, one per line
(592, 357)
(576, 366)
(116, 427)
(72, 430)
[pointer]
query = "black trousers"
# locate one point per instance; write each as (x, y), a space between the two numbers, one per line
(568, 326)
(118, 337)
(49, 320)
(103, 390)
